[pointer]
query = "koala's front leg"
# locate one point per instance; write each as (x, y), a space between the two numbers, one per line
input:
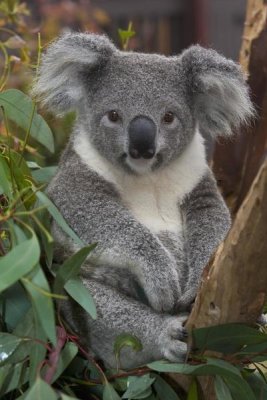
(161, 335)
(207, 221)
(122, 242)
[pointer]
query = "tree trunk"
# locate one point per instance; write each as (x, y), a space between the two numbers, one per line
(234, 288)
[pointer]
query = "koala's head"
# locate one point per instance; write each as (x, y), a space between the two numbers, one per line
(140, 111)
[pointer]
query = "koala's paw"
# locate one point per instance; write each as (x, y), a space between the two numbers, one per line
(163, 294)
(172, 339)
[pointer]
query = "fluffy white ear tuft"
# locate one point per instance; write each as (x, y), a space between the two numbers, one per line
(219, 92)
(59, 84)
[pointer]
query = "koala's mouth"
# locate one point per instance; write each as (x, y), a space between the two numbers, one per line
(141, 166)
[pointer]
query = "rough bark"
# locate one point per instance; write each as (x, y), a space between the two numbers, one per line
(235, 286)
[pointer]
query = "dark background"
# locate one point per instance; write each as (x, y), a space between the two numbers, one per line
(163, 26)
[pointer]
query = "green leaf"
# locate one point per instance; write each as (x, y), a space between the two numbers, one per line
(75, 288)
(193, 392)
(15, 376)
(8, 345)
(221, 389)
(239, 389)
(138, 386)
(44, 229)
(16, 305)
(126, 339)
(125, 34)
(228, 338)
(18, 262)
(33, 165)
(41, 391)
(5, 177)
(37, 351)
(110, 393)
(30, 327)
(212, 367)
(40, 294)
(163, 389)
(44, 200)
(71, 267)
(19, 107)
(66, 397)
(44, 175)
(258, 385)
(15, 42)
(231, 374)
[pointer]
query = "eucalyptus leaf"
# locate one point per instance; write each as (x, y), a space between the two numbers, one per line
(16, 305)
(64, 396)
(258, 385)
(44, 175)
(211, 367)
(228, 338)
(52, 209)
(41, 391)
(31, 328)
(126, 339)
(110, 393)
(5, 177)
(37, 350)
(239, 389)
(138, 386)
(18, 262)
(163, 389)
(75, 288)
(33, 165)
(221, 389)
(23, 179)
(125, 34)
(71, 267)
(8, 344)
(16, 376)
(40, 294)
(192, 392)
(19, 108)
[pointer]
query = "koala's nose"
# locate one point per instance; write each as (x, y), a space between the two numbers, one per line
(142, 135)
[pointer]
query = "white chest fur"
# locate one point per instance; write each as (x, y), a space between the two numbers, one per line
(152, 198)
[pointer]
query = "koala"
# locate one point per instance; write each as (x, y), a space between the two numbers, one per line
(134, 179)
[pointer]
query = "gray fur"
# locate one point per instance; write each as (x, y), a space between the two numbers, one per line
(139, 278)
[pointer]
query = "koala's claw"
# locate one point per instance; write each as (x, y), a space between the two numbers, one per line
(171, 340)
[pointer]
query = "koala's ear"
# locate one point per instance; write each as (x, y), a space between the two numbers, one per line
(218, 90)
(59, 85)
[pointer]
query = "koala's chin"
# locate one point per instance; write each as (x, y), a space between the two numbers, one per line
(140, 166)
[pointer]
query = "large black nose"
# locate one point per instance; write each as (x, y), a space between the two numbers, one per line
(142, 134)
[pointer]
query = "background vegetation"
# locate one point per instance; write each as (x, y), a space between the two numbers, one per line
(39, 357)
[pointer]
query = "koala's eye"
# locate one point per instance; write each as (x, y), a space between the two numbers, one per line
(168, 117)
(113, 116)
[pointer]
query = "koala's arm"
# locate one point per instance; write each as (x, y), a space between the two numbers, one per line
(207, 221)
(161, 335)
(92, 207)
